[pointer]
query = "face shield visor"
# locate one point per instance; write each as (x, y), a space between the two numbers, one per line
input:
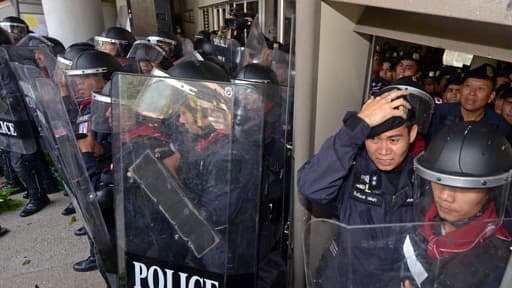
(248, 114)
(82, 82)
(281, 66)
(463, 210)
(113, 47)
(168, 45)
(421, 102)
(155, 99)
(17, 31)
(147, 55)
(101, 112)
(61, 66)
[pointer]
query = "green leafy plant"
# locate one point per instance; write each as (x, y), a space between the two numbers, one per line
(26, 262)
(8, 204)
(72, 220)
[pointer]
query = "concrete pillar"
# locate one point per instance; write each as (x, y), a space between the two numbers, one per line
(73, 20)
(109, 14)
(306, 80)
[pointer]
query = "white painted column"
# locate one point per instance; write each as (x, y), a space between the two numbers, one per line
(73, 20)
(215, 18)
(221, 17)
(210, 18)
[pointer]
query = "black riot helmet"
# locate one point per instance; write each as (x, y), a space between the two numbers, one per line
(5, 37)
(65, 60)
(75, 49)
(255, 72)
(467, 155)
(94, 62)
(422, 106)
(117, 37)
(198, 69)
(463, 158)
(16, 26)
(167, 41)
(203, 34)
(58, 47)
(259, 73)
(204, 46)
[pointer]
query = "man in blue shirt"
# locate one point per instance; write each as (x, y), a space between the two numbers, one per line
(365, 170)
(478, 89)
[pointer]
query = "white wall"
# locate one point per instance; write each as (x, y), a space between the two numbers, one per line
(73, 20)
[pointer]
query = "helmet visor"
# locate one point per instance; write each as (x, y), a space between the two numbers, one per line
(17, 31)
(101, 112)
(110, 46)
(145, 51)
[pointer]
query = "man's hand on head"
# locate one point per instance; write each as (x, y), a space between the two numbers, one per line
(379, 109)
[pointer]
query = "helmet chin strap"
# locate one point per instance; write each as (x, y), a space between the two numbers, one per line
(463, 222)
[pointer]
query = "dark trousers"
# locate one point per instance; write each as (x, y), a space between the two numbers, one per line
(34, 173)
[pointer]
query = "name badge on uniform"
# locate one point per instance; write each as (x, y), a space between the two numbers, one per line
(366, 188)
(361, 195)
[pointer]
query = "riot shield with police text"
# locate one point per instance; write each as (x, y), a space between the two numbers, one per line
(188, 174)
(17, 130)
(27, 76)
(401, 255)
(76, 177)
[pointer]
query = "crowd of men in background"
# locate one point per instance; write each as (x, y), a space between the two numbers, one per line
(442, 82)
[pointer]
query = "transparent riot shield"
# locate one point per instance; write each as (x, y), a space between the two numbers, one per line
(100, 112)
(403, 255)
(188, 173)
(256, 50)
(26, 75)
(17, 130)
(76, 177)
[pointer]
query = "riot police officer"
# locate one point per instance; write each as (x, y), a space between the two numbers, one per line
(29, 165)
(276, 164)
(365, 171)
(169, 42)
(116, 41)
(223, 186)
(91, 70)
(71, 102)
(50, 44)
(12, 184)
(145, 57)
(466, 194)
(16, 26)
